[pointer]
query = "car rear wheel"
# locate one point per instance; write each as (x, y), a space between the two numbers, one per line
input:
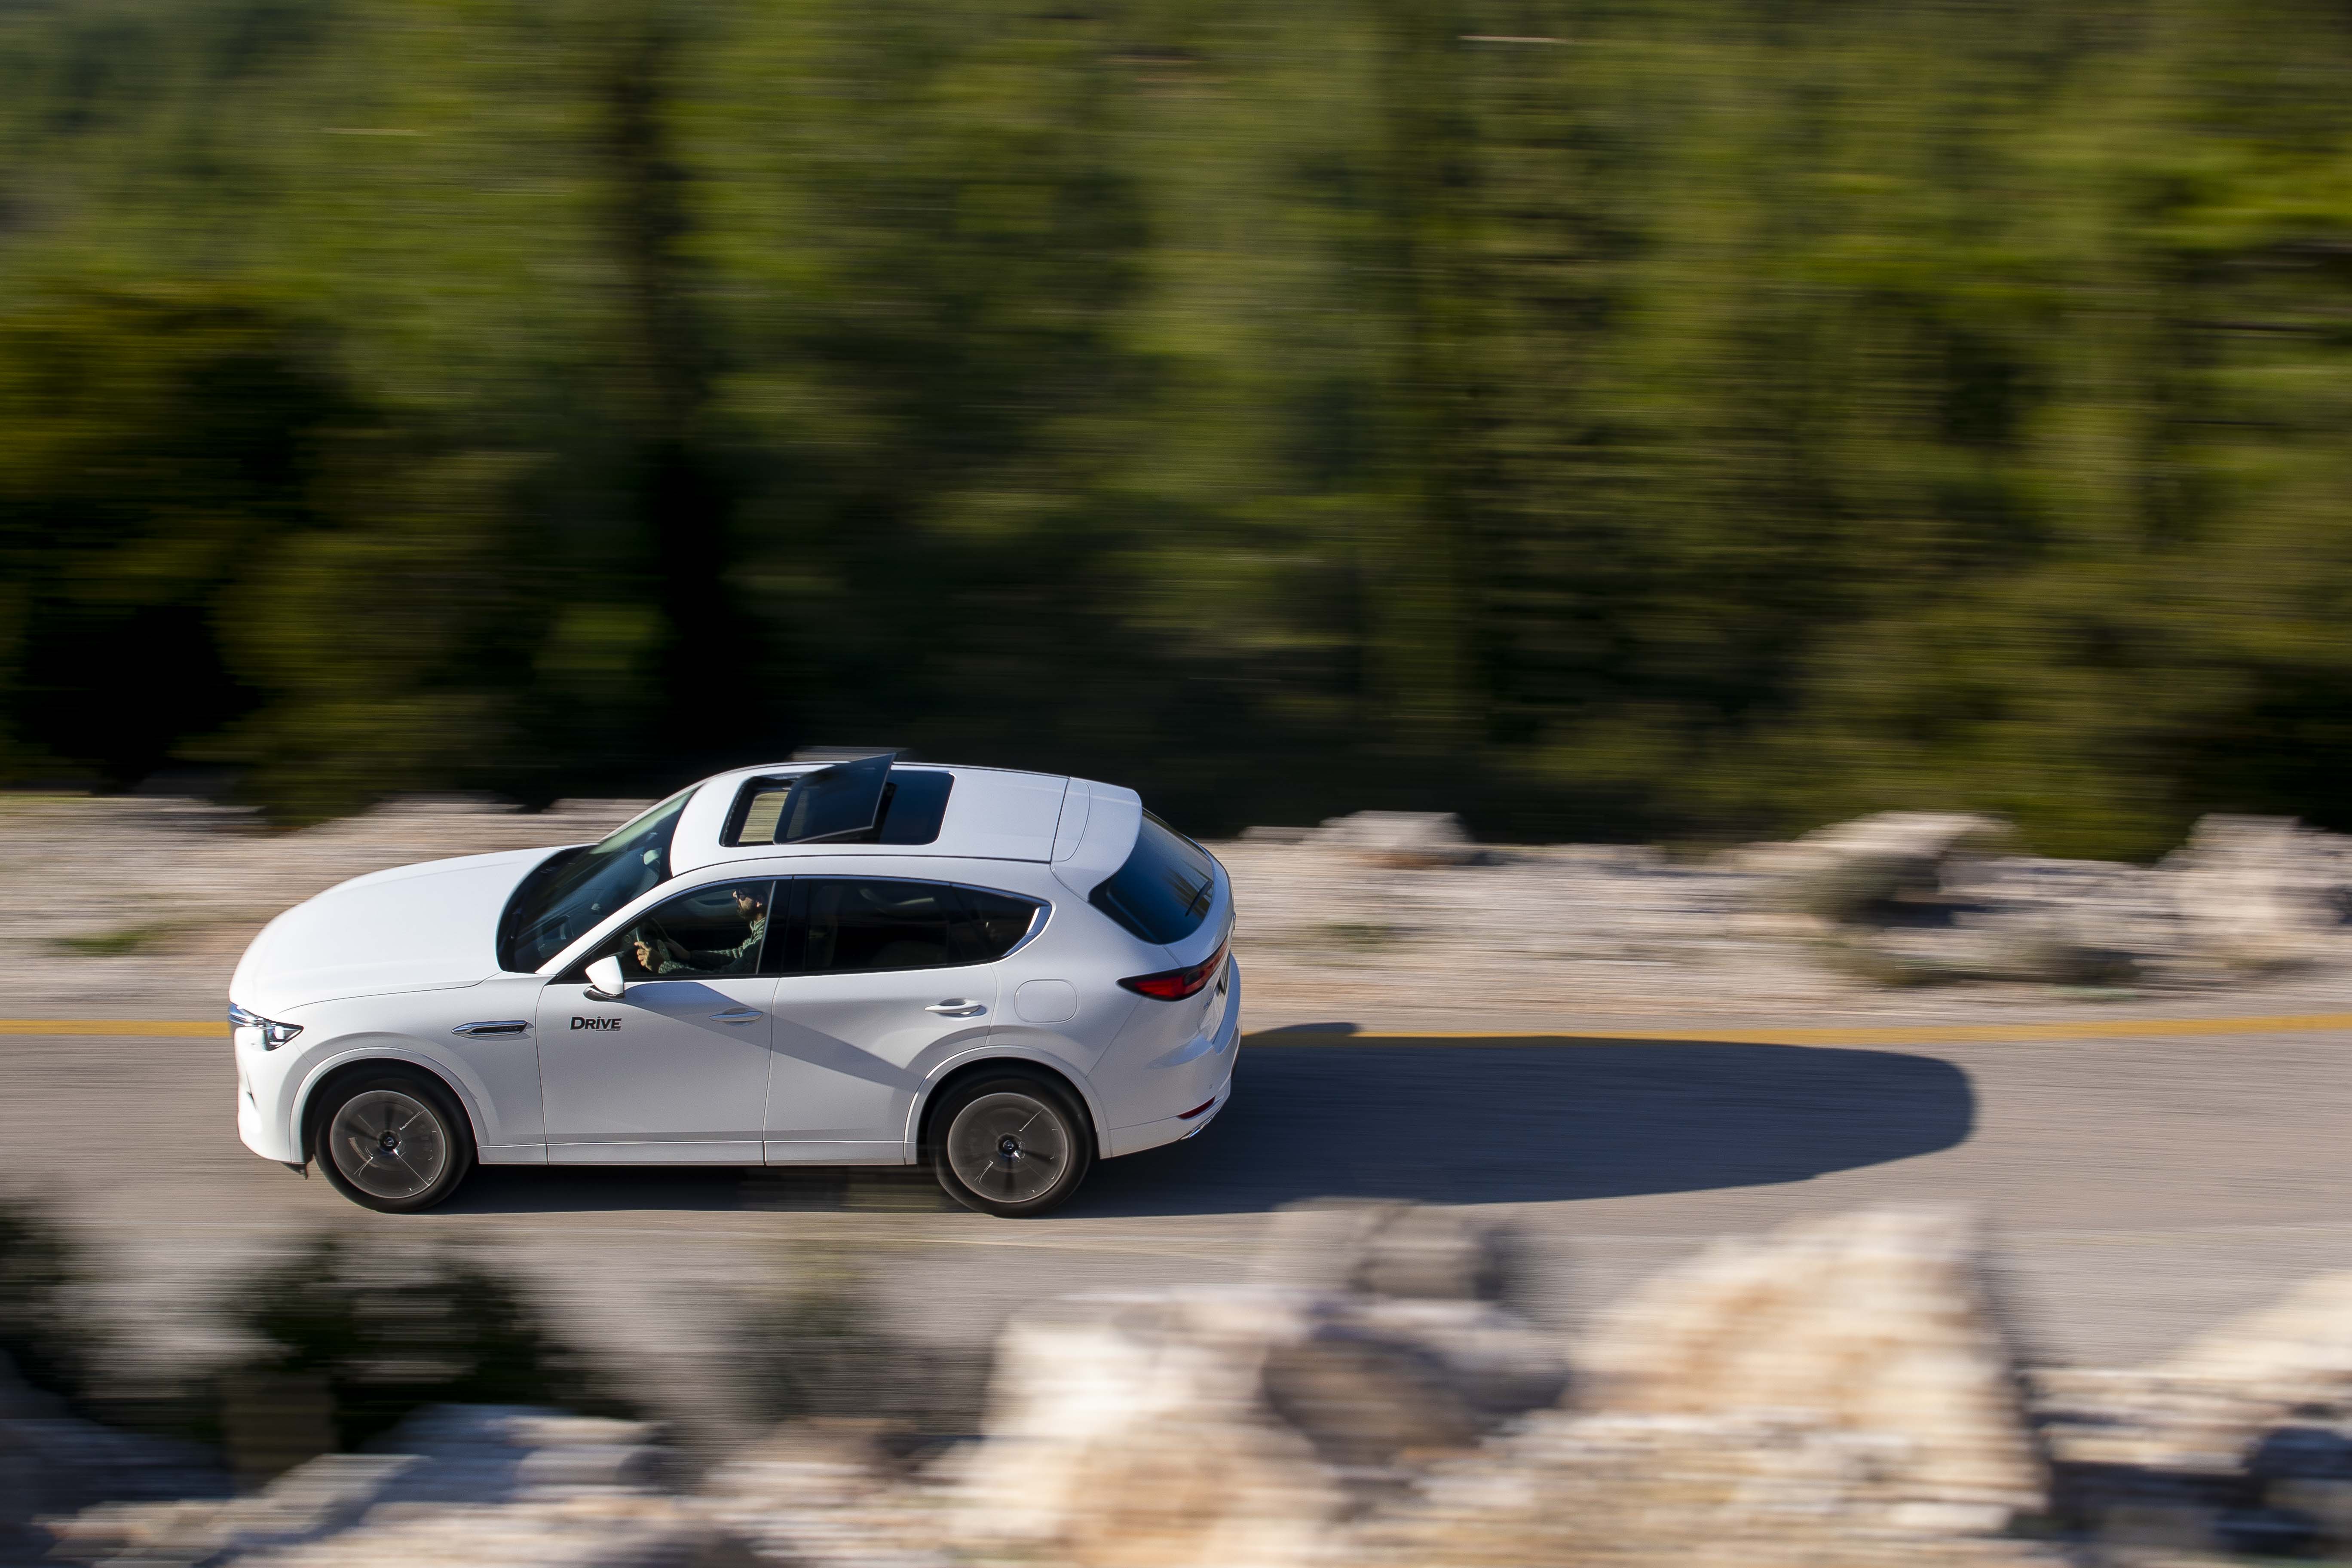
(392, 1140)
(1011, 1144)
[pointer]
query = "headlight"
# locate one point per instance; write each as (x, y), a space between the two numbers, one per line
(273, 1034)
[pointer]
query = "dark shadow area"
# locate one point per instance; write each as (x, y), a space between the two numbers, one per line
(587, 1189)
(1535, 1122)
(1524, 1122)
(584, 1189)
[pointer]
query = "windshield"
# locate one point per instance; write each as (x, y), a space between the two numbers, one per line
(561, 901)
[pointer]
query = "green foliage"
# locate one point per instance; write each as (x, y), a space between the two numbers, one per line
(390, 1332)
(822, 1352)
(44, 1331)
(116, 943)
(1691, 419)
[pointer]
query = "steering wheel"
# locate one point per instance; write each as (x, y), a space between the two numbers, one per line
(660, 934)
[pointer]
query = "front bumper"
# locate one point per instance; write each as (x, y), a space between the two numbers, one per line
(263, 1122)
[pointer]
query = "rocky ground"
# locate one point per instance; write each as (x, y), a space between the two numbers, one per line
(1384, 1385)
(1845, 1391)
(1921, 913)
(138, 906)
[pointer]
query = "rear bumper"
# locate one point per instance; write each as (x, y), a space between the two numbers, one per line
(1207, 1081)
(1175, 1129)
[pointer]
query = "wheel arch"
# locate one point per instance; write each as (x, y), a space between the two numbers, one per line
(310, 1099)
(918, 1123)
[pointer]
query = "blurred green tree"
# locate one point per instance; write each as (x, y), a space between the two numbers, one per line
(1667, 418)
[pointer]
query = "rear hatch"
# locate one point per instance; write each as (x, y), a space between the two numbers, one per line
(1171, 892)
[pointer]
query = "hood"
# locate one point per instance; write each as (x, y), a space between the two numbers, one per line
(428, 927)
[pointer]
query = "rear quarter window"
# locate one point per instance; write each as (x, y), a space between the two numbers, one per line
(1163, 891)
(994, 924)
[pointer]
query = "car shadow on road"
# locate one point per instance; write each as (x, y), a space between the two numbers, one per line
(1531, 1120)
(1464, 1121)
(590, 1189)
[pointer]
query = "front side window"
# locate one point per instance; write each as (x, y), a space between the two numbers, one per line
(1164, 889)
(710, 933)
(564, 898)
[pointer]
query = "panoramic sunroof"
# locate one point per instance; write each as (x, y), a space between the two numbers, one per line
(838, 802)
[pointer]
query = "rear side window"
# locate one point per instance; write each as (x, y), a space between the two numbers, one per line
(872, 924)
(865, 923)
(1163, 891)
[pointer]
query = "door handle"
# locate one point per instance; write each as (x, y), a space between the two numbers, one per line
(738, 1015)
(957, 1008)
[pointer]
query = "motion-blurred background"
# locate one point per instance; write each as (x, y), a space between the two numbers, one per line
(1686, 418)
(1635, 426)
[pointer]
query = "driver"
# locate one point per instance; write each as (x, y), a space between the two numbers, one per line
(665, 955)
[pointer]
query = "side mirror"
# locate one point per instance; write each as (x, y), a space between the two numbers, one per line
(604, 982)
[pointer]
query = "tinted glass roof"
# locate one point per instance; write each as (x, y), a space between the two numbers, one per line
(843, 801)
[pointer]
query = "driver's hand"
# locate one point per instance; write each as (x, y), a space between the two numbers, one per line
(645, 957)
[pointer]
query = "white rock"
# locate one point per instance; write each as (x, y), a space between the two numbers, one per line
(1403, 838)
(1874, 1324)
(1142, 1416)
(2259, 893)
(2298, 1348)
(466, 1455)
(820, 1493)
(617, 1532)
(1842, 872)
(1570, 1489)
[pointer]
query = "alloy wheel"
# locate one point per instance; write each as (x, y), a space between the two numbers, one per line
(388, 1144)
(1008, 1146)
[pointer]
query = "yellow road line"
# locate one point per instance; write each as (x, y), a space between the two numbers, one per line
(181, 1028)
(1884, 1034)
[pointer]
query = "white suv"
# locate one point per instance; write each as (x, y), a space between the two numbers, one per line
(862, 962)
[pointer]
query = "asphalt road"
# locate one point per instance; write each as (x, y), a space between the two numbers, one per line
(2137, 1188)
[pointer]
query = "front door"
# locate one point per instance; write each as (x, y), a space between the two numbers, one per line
(882, 984)
(675, 1071)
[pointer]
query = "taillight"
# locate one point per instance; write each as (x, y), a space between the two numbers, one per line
(1175, 985)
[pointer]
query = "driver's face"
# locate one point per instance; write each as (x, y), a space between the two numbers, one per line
(746, 905)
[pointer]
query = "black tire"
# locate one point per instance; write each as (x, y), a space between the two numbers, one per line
(392, 1139)
(1011, 1142)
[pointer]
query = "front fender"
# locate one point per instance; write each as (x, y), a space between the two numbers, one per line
(472, 1094)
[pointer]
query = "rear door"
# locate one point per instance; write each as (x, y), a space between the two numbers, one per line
(880, 976)
(676, 1071)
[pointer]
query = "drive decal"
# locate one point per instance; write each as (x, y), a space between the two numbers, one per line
(595, 1023)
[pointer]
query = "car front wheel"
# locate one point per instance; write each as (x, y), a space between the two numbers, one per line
(1011, 1144)
(392, 1140)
